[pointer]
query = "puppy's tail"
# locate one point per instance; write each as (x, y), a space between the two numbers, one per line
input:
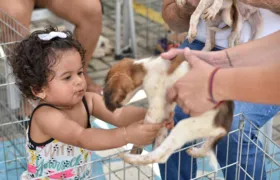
(213, 160)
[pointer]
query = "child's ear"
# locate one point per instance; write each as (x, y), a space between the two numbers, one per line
(42, 94)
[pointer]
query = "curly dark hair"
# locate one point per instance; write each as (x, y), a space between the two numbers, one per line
(33, 58)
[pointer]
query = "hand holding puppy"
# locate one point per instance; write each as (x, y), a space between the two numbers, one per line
(191, 91)
(141, 134)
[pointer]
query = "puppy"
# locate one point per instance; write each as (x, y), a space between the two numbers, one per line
(243, 13)
(103, 47)
(208, 9)
(155, 75)
(232, 13)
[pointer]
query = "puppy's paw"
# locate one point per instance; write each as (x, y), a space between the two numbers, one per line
(191, 36)
(138, 159)
(152, 157)
(192, 31)
(210, 13)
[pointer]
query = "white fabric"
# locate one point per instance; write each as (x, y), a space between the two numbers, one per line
(271, 24)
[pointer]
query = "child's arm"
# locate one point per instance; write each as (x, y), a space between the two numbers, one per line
(53, 123)
(120, 117)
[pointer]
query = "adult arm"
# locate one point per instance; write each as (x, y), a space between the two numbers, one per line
(273, 5)
(262, 51)
(178, 18)
(259, 84)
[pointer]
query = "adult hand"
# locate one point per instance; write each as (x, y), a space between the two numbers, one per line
(215, 58)
(191, 91)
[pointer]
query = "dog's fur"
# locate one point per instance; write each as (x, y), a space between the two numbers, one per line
(155, 75)
(231, 12)
(103, 47)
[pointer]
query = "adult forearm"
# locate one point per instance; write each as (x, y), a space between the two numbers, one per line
(273, 5)
(176, 18)
(261, 51)
(260, 84)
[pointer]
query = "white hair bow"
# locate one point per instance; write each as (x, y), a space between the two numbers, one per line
(51, 35)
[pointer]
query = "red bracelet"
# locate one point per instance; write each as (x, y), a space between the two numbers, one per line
(210, 85)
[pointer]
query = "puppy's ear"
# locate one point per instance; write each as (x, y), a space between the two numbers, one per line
(138, 73)
(116, 90)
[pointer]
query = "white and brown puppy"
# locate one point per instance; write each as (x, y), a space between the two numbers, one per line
(208, 10)
(232, 13)
(243, 13)
(155, 75)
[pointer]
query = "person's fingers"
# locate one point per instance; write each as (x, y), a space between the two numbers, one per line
(193, 113)
(171, 95)
(140, 122)
(171, 115)
(193, 60)
(169, 125)
(180, 103)
(186, 110)
(172, 53)
(201, 54)
(153, 127)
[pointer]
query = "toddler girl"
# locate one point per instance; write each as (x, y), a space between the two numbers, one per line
(48, 66)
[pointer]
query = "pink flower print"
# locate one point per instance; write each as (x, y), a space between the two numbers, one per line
(65, 174)
(31, 168)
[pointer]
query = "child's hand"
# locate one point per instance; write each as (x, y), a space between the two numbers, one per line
(141, 134)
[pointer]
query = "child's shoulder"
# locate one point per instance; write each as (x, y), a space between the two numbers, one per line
(46, 117)
(93, 99)
(45, 111)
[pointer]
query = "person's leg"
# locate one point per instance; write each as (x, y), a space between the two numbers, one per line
(251, 156)
(21, 10)
(86, 15)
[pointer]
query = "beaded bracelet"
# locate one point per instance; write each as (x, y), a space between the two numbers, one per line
(210, 85)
